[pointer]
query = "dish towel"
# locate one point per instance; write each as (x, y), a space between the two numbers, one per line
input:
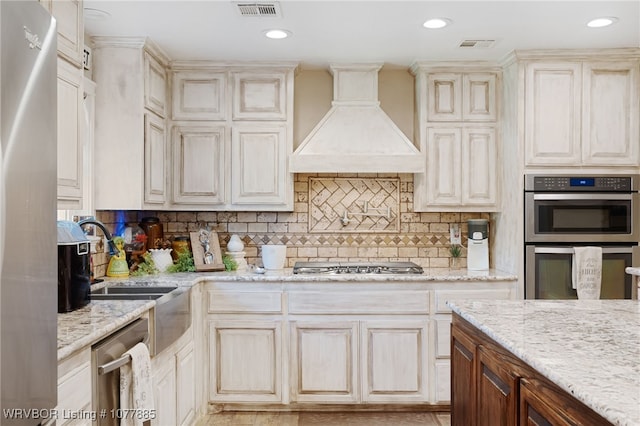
(586, 271)
(136, 387)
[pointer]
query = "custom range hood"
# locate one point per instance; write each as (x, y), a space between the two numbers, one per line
(356, 136)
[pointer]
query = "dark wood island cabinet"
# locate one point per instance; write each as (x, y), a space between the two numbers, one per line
(492, 387)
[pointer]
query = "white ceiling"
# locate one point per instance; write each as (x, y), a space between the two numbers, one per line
(366, 31)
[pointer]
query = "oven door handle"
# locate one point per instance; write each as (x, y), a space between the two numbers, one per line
(584, 197)
(569, 250)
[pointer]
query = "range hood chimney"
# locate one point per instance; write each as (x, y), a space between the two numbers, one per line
(356, 136)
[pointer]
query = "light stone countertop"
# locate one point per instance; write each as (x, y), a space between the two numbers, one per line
(590, 348)
(287, 276)
(95, 321)
(99, 318)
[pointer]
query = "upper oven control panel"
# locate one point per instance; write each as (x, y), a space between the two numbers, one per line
(598, 183)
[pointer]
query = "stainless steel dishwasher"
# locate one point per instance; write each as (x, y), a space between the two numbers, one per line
(107, 356)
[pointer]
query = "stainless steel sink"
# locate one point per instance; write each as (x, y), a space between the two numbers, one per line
(169, 318)
(130, 293)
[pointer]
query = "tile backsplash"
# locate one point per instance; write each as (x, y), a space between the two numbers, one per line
(313, 231)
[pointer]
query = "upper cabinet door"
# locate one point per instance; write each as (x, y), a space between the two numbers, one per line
(155, 155)
(610, 114)
(69, 17)
(444, 96)
(259, 165)
(198, 165)
(259, 96)
(479, 166)
(552, 113)
(479, 97)
(155, 85)
(70, 152)
(199, 95)
(444, 148)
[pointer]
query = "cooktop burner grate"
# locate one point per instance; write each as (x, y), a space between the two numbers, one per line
(356, 268)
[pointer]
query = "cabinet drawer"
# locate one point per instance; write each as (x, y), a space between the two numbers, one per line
(374, 302)
(442, 297)
(252, 302)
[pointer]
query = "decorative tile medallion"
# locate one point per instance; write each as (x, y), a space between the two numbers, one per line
(354, 205)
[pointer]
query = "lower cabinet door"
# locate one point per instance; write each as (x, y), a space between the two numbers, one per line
(394, 361)
(463, 378)
(245, 361)
(186, 388)
(164, 384)
(497, 388)
(324, 366)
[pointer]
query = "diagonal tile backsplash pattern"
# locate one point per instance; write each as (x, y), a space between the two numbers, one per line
(409, 236)
(364, 201)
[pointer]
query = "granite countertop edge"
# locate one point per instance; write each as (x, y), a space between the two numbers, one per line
(90, 324)
(548, 367)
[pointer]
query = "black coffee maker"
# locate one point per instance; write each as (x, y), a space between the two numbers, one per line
(74, 267)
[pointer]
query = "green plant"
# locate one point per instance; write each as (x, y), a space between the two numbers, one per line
(229, 263)
(455, 250)
(147, 267)
(184, 263)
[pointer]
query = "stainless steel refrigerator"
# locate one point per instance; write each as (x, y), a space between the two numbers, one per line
(28, 238)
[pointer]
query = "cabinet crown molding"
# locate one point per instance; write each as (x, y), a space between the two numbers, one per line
(454, 66)
(132, 43)
(607, 54)
(232, 65)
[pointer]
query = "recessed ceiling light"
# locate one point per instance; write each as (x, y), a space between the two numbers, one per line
(96, 14)
(436, 23)
(277, 34)
(602, 22)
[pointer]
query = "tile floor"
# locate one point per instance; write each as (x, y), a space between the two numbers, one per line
(326, 419)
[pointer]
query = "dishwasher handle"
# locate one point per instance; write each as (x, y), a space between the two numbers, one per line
(117, 363)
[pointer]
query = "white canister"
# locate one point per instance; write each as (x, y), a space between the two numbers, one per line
(274, 256)
(161, 258)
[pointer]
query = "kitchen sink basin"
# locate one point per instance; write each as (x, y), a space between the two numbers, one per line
(169, 318)
(131, 293)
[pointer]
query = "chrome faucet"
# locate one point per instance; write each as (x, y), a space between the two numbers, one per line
(112, 246)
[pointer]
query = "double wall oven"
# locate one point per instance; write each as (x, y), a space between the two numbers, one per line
(562, 212)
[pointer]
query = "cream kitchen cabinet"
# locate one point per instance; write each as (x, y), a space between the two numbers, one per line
(199, 95)
(454, 96)
(461, 169)
(244, 339)
(199, 166)
(359, 346)
(457, 109)
(174, 382)
(393, 356)
(74, 388)
(155, 159)
(232, 134)
(130, 162)
(260, 95)
(259, 175)
(347, 361)
(582, 112)
(70, 136)
(245, 361)
(69, 16)
(324, 361)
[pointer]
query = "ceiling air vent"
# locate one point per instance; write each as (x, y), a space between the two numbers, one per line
(266, 9)
(477, 44)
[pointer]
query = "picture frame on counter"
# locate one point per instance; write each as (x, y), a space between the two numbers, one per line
(207, 255)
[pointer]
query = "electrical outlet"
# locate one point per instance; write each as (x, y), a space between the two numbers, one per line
(454, 232)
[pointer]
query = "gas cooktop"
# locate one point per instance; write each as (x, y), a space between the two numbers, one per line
(356, 268)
